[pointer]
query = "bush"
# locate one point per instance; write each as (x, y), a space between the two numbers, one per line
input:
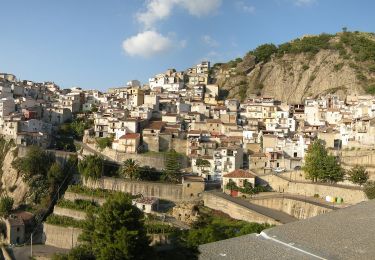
(370, 90)
(316, 195)
(369, 190)
(6, 205)
(64, 221)
(101, 193)
(305, 67)
(80, 205)
(104, 142)
(338, 66)
(91, 167)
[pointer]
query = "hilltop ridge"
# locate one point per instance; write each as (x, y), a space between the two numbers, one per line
(309, 66)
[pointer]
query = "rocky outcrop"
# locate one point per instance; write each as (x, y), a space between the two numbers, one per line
(292, 77)
(11, 181)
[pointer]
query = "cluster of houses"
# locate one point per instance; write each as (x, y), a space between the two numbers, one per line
(181, 110)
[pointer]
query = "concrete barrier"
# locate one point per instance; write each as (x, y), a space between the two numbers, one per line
(350, 195)
(296, 208)
(61, 237)
(235, 211)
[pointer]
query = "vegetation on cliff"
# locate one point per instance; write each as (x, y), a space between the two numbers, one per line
(312, 65)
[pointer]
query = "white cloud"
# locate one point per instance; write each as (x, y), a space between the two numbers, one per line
(200, 7)
(303, 2)
(147, 44)
(244, 7)
(209, 41)
(157, 10)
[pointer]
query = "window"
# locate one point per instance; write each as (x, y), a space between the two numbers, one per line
(188, 185)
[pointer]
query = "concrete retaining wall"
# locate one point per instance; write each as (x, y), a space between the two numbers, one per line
(75, 196)
(156, 160)
(295, 208)
(76, 214)
(234, 210)
(350, 195)
(61, 237)
(173, 192)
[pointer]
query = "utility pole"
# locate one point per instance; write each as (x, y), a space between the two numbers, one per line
(31, 248)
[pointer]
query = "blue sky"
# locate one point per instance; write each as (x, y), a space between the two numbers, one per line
(101, 44)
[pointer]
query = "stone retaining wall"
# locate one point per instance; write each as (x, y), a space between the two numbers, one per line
(235, 211)
(75, 196)
(76, 214)
(349, 195)
(296, 208)
(61, 237)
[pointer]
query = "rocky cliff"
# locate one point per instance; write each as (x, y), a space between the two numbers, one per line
(11, 181)
(307, 67)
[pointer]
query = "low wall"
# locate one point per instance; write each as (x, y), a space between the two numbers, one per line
(75, 196)
(350, 195)
(156, 160)
(76, 214)
(61, 237)
(296, 208)
(173, 192)
(235, 211)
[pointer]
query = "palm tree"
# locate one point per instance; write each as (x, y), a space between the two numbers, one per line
(130, 169)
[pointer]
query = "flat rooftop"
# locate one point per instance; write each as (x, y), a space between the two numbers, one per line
(342, 234)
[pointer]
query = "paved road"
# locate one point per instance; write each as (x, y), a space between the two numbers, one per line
(23, 253)
(275, 214)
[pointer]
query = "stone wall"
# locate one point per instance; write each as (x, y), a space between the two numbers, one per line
(75, 196)
(296, 208)
(234, 210)
(156, 160)
(61, 237)
(76, 214)
(173, 192)
(350, 195)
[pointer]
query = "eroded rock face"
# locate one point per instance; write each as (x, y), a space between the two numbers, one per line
(12, 183)
(186, 212)
(294, 77)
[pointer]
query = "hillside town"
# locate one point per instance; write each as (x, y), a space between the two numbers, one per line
(235, 157)
(183, 111)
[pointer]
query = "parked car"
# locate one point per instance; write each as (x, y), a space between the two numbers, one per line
(279, 170)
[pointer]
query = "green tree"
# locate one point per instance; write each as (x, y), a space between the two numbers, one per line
(104, 142)
(91, 166)
(130, 169)
(316, 154)
(36, 162)
(55, 175)
(369, 190)
(332, 171)
(264, 52)
(358, 175)
(117, 231)
(6, 205)
(172, 171)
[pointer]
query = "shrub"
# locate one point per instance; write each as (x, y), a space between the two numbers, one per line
(6, 205)
(369, 190)
(64, 221)
(338, 66)
(305, 67)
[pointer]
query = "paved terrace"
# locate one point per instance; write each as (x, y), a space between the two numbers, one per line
(342, 234)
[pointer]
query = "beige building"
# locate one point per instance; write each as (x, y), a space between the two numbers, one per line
(128, 143)
(239, 177)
